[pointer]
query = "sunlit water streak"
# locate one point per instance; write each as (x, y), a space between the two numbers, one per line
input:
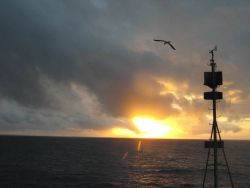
(89, 162)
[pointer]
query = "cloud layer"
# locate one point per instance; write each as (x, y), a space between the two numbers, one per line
(93, 64)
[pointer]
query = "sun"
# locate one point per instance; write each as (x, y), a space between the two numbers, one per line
(151, 128)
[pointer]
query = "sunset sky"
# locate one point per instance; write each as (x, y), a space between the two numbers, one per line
(91, 68)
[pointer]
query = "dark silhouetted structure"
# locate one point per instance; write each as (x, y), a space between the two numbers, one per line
(213, 79)
(165, 42)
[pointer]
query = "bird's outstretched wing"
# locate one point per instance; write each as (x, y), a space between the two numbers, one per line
(171, 46)
(158, 40)
(165, 42)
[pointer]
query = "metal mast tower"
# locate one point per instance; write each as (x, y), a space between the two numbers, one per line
(213, 79)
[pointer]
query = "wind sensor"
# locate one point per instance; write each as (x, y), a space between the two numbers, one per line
(213, 79)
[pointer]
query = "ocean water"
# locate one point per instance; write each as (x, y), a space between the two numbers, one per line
(98, 162)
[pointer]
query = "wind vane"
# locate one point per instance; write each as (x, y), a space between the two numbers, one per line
(165, 42)
(212, 52)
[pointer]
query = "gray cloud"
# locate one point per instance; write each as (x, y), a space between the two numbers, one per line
(76, 108)
(106, 47)
(35, 44)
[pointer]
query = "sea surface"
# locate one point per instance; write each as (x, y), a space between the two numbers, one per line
(101, 162)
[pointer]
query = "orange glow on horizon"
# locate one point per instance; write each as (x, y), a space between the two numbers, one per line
(148, 128)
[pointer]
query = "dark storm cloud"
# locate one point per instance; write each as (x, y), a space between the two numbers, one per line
(61, 40)
(95, 44)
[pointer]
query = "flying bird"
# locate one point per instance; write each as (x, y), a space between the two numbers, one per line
(165, 42)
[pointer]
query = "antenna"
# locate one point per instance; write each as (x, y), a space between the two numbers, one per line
(212, 53)
(213, 79)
